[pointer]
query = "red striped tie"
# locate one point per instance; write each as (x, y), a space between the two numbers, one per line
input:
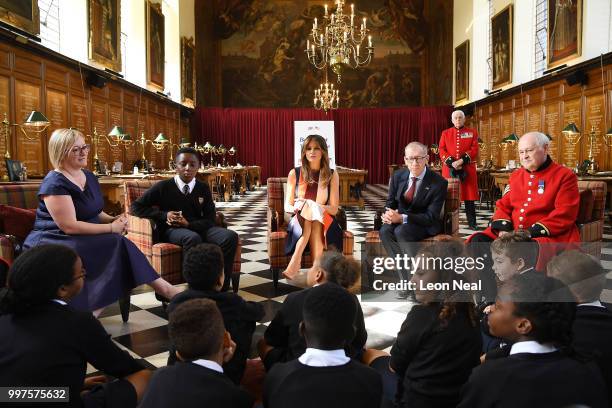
(409, 195)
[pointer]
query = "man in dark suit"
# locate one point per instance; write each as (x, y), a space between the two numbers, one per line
(414, 206)
(184, 210)
(202, 344)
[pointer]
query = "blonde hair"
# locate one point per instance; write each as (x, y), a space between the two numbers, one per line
(59, 144)
(325, 172)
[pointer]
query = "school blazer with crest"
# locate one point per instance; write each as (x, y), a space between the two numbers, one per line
(426, 208)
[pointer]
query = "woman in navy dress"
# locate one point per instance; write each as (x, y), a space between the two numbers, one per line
(70, 213)
(317, 188)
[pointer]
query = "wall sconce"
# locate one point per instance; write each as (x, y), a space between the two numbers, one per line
(36, 123)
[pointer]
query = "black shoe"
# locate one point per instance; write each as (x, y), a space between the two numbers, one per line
(162, 299)
(402, 295)
(474, 227)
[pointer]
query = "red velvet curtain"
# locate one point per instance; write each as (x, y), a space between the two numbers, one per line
(367, 139)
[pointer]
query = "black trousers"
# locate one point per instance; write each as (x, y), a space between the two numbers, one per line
(225, 238)
(402, 239)
(470, 212)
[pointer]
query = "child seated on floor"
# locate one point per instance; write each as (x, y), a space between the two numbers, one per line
(438, 343)
(282, 341)
(202, 344)
(324, 376)
(203, 271)
(44, 342)
(514, 253)
(592, 330)
(535, 314)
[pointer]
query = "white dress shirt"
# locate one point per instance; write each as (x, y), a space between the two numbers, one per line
(323, 358)
(181, 185)
(213, 365)
(596, 303)
(532, 347)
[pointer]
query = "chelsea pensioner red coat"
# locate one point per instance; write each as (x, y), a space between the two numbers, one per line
(545, 202)
(458, 144)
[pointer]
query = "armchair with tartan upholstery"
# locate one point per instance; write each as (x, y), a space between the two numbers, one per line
(277, 230)
(13, 197)
(166, 258)
(591, 215)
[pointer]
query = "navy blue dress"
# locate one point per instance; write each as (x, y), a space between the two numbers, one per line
(113, 263)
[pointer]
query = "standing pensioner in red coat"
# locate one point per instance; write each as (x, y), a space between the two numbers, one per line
(458, 150)
(543, 198)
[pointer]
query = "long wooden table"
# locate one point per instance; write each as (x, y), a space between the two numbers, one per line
(352, 182)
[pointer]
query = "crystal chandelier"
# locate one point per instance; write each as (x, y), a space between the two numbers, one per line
(338, 43)
(326, 97)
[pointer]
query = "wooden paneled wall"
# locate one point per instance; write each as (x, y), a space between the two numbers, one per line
(548, 108)
(33, 78)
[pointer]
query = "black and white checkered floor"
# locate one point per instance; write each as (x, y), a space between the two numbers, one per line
(145, 336)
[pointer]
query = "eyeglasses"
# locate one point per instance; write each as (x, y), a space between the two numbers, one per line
(80, 149)
(414, 159)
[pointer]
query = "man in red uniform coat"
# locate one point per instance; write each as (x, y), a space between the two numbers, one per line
(543, 198)
(458, 150)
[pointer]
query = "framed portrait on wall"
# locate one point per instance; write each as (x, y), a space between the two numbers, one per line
(187, 71)
(462, 71)
(501, 47)
(155, 44)
(23, 14)
(564, 31)
(104, 32)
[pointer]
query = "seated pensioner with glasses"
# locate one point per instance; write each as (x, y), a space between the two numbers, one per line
(543, 198)
(414, 205)
(70, 213)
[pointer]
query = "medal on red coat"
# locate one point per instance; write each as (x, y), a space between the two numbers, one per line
(541, 187)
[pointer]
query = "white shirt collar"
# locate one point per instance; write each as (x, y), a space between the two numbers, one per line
(532, 347)
(420, 176)
(596, 303)
(60, 301)
(525, 270)
(323, 358)
(181, 185)
(213, 365)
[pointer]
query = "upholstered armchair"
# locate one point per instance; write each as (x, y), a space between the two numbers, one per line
(18, 203)
(591, 215)
(277, 230)
(450, 221)
(165, 258)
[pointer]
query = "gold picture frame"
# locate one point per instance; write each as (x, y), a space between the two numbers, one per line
(188, 80)
(155, 27)
(564, 30)
(23, 15)
(104, 33)
(502, 47)
(462, 71)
